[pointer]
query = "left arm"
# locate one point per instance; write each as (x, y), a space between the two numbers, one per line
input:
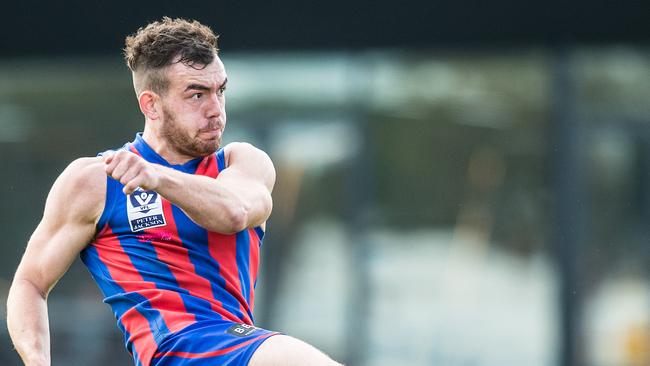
(239, 198)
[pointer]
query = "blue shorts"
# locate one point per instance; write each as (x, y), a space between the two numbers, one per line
(211, 343)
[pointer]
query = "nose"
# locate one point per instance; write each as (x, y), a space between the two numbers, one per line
(215, 107)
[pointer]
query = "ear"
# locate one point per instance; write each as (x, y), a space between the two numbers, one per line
(148, 102)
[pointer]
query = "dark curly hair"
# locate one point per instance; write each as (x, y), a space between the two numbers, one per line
(159, 44)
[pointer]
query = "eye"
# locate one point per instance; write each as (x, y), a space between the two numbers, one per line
(197, 96)
(222, 90)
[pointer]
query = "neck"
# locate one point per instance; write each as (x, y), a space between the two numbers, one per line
(162, 147)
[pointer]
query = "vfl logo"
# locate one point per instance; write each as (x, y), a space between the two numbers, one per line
(144, 209)
(141, 199)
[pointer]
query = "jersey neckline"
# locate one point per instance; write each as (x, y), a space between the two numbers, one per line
(149, 154)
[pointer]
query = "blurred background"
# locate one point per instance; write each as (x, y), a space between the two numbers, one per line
(459, 183)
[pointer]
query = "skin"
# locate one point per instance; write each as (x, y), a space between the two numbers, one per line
(193, 108)
(183, 123)
(71, 211)
(188, 121)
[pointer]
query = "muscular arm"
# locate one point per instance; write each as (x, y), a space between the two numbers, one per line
(68, 224)
(240, 197)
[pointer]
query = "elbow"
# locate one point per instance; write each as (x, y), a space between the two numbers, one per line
(25, 285)
(237, 218)
(241, 214)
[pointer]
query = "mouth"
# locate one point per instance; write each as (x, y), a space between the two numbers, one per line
(211, 134)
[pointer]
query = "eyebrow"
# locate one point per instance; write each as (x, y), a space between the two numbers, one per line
(196, 86)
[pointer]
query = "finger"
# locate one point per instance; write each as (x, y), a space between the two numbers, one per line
(132, 172)
(110, 165)
(112, 162)
(123, 166)
(131, 185)
(116, 171)
(108, 156)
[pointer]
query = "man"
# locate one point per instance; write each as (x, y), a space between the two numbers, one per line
(169, 225)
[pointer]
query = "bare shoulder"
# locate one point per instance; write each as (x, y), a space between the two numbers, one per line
(251, 160)
(85, 175)
(81, 188)
(243, 153)
(243, 150)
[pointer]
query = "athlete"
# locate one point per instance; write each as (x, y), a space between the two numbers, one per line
(169, 225)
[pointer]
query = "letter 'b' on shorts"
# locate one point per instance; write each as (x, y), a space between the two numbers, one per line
(211, 343)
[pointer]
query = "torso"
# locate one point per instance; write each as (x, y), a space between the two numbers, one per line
(159, 271)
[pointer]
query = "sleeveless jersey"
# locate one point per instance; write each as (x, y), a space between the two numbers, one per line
(159, 271)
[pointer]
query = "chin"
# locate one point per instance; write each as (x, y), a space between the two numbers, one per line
(209, 148)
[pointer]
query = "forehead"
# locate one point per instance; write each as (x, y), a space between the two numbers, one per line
(213, 74)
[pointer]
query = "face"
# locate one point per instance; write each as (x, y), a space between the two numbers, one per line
(194, 114)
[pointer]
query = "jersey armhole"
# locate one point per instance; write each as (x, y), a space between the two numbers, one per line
(260, 233)
(109, 202)
(221, 159)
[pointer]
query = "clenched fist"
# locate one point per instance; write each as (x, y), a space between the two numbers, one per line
(131, 170)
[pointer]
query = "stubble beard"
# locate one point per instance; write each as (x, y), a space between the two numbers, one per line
(181, 142)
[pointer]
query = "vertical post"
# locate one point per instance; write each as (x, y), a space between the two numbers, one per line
(357, 197)
(567, 215)
(359, 192)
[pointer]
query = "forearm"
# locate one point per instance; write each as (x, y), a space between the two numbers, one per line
(238, 198)
(210, 203)
(28, 325)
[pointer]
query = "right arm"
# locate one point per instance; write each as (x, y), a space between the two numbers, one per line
(71, 212)
(239, 198)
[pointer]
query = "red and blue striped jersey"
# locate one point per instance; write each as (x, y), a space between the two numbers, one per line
(161, 272)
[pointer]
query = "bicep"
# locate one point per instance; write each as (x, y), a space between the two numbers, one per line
(50, 252)
(253, 193)
(68, 225)
(250, 175)
(248, 166)
(237, 180)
